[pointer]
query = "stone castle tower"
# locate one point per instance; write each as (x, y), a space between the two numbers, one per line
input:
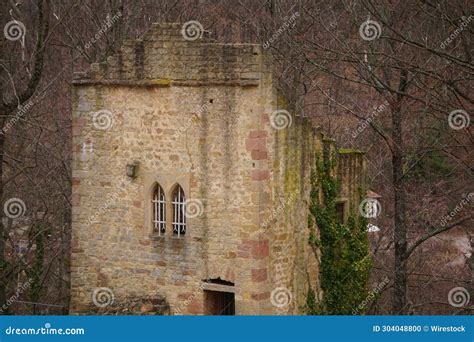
(190, 183)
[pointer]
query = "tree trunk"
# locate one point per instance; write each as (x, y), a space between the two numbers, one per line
(3, 278)
(400, 229)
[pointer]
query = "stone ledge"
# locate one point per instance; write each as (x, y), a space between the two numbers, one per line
(176, 83)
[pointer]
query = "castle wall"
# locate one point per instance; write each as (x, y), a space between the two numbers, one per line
(184, 119)
(197, 114)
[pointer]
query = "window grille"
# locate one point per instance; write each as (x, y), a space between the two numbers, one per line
(159, 210)
(179, 212)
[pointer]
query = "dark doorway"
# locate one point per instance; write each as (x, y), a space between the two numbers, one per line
(340, 211)
(219, 303)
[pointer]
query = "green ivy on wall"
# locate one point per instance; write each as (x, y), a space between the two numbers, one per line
(345, 259)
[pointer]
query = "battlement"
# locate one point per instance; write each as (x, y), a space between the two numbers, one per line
(177, 54)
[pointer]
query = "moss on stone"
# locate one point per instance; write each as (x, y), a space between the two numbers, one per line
(282, 102)
(162, 82)
(350, 151)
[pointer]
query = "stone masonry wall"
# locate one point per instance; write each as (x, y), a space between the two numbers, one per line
(189, 127)
(293, 266)
(163, 55)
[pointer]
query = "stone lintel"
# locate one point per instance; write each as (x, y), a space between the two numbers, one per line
(218, 287)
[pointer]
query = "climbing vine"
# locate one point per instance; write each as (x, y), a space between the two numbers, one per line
(345, 260)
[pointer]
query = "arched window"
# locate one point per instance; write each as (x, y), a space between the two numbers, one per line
(159, 210)
(179, 211)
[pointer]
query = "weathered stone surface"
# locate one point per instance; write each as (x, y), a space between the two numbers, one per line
(130, 306)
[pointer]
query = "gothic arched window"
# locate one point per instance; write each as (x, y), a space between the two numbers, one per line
(159, 210)
(179, 211)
